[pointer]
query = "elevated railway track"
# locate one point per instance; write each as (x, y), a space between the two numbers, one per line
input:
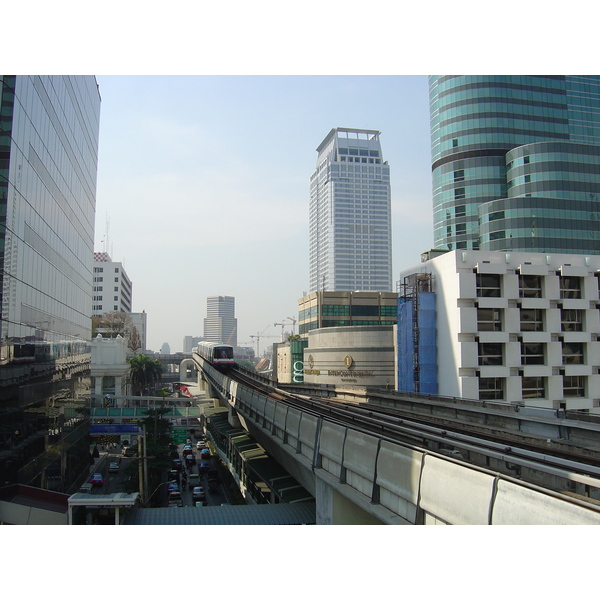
(563, 467)
(396, 459)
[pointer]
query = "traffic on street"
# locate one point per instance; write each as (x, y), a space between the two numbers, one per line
(192, 479)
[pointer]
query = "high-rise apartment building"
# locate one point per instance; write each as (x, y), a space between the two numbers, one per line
(350, 241)
(49, 129)
(220, 325)
(516, 163)
(112, 286)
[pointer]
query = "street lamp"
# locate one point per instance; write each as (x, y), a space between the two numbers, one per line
(154, 492)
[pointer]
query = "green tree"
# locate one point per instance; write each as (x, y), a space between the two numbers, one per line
(143, 372)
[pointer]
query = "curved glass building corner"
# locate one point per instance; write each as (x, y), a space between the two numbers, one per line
(484, 198)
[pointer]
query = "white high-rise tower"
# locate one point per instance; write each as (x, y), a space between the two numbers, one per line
(350, 214)
(220, 325)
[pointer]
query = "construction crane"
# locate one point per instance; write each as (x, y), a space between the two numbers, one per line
(282, 325)
(258, 336)
(293, 324)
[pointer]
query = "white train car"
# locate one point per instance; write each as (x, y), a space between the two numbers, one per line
(219, 356)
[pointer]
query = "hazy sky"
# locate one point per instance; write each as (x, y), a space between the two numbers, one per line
(203, 187)
(204, 179)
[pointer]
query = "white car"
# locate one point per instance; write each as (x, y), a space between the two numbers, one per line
(198, 493)
(200, 445)
(193, 480)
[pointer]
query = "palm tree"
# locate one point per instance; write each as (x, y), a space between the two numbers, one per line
(143, 372)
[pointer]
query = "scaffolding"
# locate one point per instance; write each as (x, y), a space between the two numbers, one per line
(421, 320)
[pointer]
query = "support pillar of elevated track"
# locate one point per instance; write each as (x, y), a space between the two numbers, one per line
(335, 509)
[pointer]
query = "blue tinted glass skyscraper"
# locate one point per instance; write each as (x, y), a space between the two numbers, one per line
(350, 242)
(516, 163)
(49, 155)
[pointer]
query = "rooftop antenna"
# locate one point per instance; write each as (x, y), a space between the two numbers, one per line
(108, 248)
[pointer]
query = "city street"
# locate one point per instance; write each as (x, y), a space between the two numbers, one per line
(115, 482)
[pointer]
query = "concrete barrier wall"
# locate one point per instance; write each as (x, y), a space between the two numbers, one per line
(307, 435)
(516, 505)
(454, 493)
(294, 417)
(360, 461)
(331, 447)
(280, 417)
(398, 475)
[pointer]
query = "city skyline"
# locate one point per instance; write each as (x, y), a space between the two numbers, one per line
(217, 169)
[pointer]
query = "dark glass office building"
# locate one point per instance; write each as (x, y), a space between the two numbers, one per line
(49, 142)
(516, 163)
(49, 127)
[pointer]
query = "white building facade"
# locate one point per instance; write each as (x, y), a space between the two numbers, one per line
(517, 327)
(112, 286)
(350, 240)
(220, 325)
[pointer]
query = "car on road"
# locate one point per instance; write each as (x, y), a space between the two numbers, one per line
(113, 467)
(189, 461)
(198, 493)
(187, 450)
(177, 464)
(204, 466)
(205, 453)
(173, 486)
(97, 479)
(200, 445)
(175, 499)
(193, 480)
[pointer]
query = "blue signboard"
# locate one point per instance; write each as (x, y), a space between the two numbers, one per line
(110, 429)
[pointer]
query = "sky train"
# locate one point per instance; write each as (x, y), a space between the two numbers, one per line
(17, 351)
(219, 356)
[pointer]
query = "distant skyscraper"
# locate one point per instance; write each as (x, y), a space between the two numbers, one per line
(49, 140)
(220, 325)
(190, 342)
(350, 214)
(112, 286)
(516, 163)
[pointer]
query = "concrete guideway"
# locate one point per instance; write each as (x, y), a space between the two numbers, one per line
(358, 477)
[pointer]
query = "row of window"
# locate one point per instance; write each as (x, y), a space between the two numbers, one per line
(488, 285)
(531, 319)
(101, 269)
(100, 279)
(532, 353)
(98, 308)
(493, 388)
(358, 152)
(357, 310)
(375, 161)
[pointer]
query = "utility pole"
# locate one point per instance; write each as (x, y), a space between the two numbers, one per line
(141, 454)
(145, 461)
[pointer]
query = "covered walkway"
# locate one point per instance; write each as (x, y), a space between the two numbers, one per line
(299, 513)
